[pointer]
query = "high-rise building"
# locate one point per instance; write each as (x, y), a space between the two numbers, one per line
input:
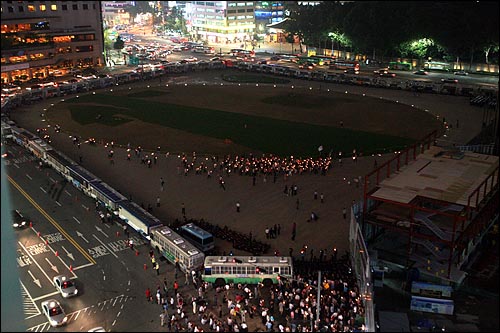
(114, 13)
(267, 12)
(221, 21)
(39, 37)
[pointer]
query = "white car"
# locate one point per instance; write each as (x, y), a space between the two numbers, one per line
(65, 286)
(463, 73)
(97, 329)
(54, 313)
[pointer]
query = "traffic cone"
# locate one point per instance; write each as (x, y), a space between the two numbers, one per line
(46, 242)
(38, 233)
(71, 268)
(136, 253)
(31, 224)
(145, 267)
(117, 234)
(57, 253)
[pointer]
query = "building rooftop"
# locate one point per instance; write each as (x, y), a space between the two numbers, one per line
(440, 174)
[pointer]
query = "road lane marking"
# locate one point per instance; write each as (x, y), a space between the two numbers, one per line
(17, 166)
(83, 266)
(29, 177)
(51, 220)
(36, 263)
(57, 202)
(113, 253)
(41, 188)
(29, 305)
(74, 218)
(65, 191)
(45, 296)
(52, 179)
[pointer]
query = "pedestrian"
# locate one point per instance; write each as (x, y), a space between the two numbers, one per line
(186, 282)
(176, 286)
(165, 286)
(183, 209)
(162, 182)
(267, 233)
(148, 295)
(157, 201)
(157, 267)
(162, 319)
(279, 229)
(315, 195)
(344, 213)
(322, 198)
(237, 206)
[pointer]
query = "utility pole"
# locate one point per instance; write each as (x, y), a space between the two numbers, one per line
(318, 298)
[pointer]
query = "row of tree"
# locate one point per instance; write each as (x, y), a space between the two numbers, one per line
(447, 30)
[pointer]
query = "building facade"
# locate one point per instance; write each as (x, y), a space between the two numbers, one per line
(267, 12)
(39, 38)
(221, 21)
(114, 13)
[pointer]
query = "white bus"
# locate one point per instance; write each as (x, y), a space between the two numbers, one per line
(268, 270)
(176, 249)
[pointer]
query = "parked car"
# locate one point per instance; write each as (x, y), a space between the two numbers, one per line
(462, 73)
(54, 313)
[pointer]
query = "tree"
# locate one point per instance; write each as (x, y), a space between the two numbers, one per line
(119, 43)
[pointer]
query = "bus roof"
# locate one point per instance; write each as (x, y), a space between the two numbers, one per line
(194, 229)
(260, 260)
(174, 238)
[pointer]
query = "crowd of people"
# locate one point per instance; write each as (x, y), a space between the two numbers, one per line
(249, 165)
(289, 306)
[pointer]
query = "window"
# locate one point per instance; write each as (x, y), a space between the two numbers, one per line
(87, 48)
(31, 8)
(43, 8)
(10, 9)
(241, 10)
(53, 8)
(231, 4)
(250, 4)
(93, 6)
(64, 7)
(250, 10)
(85, 6)
(211, 4)
(75, 7)
(231, 11)
(240, 4)
(20, 9)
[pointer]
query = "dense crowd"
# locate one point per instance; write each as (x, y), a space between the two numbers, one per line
(289, 306)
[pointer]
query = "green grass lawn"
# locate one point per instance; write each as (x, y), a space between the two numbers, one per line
(264, 134)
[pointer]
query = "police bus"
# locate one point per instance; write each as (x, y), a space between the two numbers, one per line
(268, 270)
(176, 249)
(200, 238)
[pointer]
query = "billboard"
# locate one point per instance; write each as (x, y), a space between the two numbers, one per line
(433, 305)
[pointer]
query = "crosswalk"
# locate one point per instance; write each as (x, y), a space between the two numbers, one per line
(105, 305)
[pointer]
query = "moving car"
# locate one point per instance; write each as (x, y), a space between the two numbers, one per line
(462, 73)
(351, 71)
(449, 80)
(18, 220)
(65, 286)
(97, 329)
(420, 72)
(54, 313)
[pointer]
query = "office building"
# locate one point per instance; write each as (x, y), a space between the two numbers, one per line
(41, 37)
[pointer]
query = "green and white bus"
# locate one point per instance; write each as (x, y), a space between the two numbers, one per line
(403, 66)
(221, 270)
(176, 249)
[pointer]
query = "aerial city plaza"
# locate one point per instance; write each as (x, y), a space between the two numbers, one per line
(250, 166)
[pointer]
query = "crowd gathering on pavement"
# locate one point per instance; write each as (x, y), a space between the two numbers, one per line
(193, 305)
